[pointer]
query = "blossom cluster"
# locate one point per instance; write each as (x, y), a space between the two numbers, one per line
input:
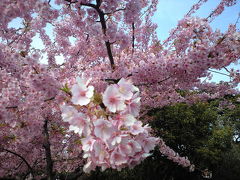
(111, 135)
(173, 156)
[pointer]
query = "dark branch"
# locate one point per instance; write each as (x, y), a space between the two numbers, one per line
(103, 24)
(49, 99)
(46, 145)
(237, 19)
(133, 37)
(158, 82)
(114, 81)
(35, 70)
(99, 2)
(23, 159)
(219, 72)
(110, 56)
(18, 166)
(120, 9)
(107, 43)
(11, 107)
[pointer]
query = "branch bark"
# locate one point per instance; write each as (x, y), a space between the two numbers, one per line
(104, 29)
(133, 37)
(46, 145)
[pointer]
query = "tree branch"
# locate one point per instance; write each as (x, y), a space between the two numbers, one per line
(11, 107)
(107, 43)
(158, 82)
(120, 9)
(133, 37)
(99, 2)
(46, 145)
(104, 27)
(23, 159)
(49, 99)
(218, 72)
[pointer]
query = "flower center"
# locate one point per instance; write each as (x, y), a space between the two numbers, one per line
(83, 93)
(122, 90)
(113, 100)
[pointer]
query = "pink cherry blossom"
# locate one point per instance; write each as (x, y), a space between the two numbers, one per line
(113, 140)
(126, 148)
(113, 100)
(128, 119)
(68, 113)
(148, 143)
(100, 153)
(81, 124)
(116, 139)
(133, 105)
(103, 129)
(126, 88)
(137, 128)
(81, 93)
(136, 147)
(87, 143)
(83, 81)
(117, 159)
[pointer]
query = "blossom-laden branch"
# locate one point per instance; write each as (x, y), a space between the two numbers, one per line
(220, 8)
(111, 136)
(104, 29)
(101, 15)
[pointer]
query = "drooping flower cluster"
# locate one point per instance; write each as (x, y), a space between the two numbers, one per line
(111, 136)
(172, 155)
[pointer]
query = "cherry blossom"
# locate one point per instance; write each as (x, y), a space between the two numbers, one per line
(113, 100)
(117, 158)
(109, 140)
(126, 89)
(81, 93)
(88, 143)
(133, 105)
(68, 113)
(103, 129)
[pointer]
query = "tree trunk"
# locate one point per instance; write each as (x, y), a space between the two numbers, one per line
(46, 145)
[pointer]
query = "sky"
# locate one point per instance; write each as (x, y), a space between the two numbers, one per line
(169, 12)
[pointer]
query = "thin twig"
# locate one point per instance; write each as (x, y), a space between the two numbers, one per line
(219, 73)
